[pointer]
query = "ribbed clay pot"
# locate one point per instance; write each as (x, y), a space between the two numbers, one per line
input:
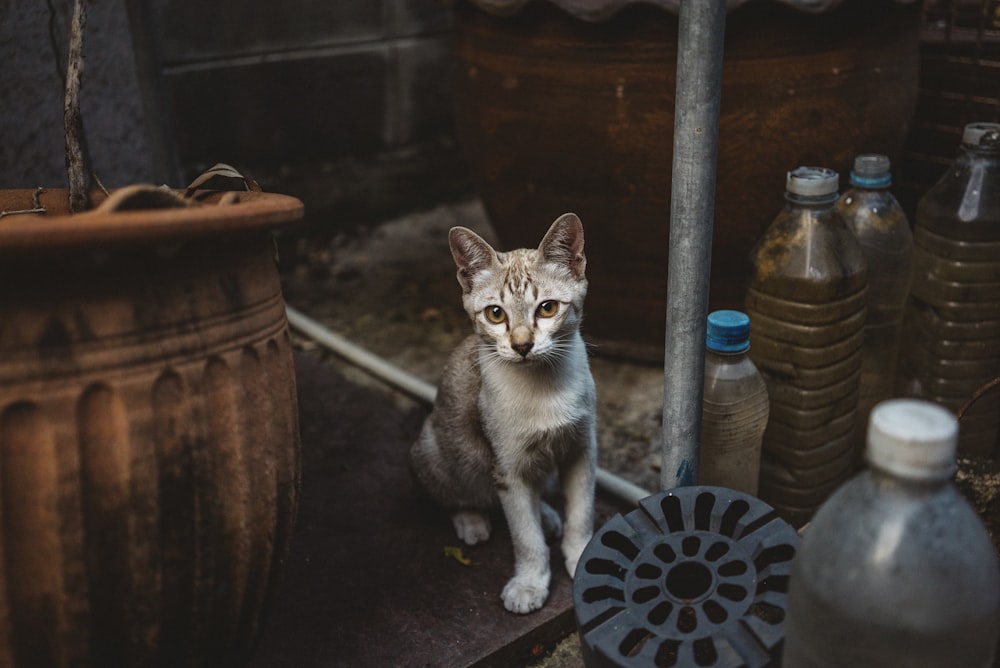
(556, 113)
(149, 447)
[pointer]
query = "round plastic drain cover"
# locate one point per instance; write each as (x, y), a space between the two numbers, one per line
(697, 576)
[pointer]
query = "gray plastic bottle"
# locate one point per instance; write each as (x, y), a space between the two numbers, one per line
(735, 408)
(896, 569)
(951, 331)
(881, 227)
(806, 299)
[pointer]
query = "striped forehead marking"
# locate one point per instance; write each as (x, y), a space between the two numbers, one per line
(518, 281)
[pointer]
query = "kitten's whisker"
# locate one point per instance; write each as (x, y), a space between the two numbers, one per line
(489, 358)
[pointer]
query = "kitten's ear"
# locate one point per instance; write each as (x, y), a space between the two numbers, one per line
(472, 254)
(563, 245)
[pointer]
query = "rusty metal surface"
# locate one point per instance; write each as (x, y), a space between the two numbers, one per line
(598, 10)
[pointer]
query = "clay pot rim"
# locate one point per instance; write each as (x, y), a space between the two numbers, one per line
(600, 10)
(255, 211)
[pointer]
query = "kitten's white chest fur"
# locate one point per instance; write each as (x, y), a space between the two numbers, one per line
(539, 399)
(516, 403)
(539, 410)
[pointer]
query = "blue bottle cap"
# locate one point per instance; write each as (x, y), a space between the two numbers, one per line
(728, 332)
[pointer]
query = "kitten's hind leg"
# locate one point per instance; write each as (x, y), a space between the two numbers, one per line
(551, 522)
(471, 526)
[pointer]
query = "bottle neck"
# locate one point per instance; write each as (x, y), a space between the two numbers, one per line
(868, 188)
(980, 152)
(811, 201)
(728, 355)
(912, 485)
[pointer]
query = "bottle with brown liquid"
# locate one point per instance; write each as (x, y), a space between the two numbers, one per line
(951, 331)
(807, 296)
(735, 407)
(881, 227)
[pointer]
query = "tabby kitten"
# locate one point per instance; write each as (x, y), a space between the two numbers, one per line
(516, 403)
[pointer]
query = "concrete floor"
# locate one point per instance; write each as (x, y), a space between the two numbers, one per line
(375, 575)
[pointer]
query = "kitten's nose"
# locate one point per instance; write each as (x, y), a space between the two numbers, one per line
(522, 348)
(520, 340)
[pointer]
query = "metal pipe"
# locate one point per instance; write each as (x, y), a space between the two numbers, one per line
(359, 357)
(616, 487)
(608, 483)
(692, 202)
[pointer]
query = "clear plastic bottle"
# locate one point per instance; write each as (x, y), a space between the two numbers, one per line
(881, 227)
(735, 408)
(896, 568)
(806, 298)
(951, 323)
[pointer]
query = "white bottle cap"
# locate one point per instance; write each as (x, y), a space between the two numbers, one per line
(913, 439)
(974, 132)
(812, 181)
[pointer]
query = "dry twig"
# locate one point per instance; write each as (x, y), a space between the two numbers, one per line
(36, 202)
(72, 118)
(977, 395)
(100, 184)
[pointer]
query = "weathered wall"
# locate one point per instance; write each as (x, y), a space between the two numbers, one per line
(31, 95)
(303, 79)
(345, 104)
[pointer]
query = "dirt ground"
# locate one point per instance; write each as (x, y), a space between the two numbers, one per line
(391, 288)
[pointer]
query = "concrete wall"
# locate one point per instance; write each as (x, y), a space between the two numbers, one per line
(303, 79)
(345, 104)
(33, 46)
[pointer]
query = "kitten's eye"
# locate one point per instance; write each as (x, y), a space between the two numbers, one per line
(495, 314)
(548, 308)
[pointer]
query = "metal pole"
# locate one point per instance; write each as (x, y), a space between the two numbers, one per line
(692, 203)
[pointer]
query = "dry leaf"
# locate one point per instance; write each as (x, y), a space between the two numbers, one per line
(456, 554)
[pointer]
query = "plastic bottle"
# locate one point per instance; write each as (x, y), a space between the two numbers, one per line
(951, 331)
(806, 298)
(881, 227)
(896, 569)
(735, 408)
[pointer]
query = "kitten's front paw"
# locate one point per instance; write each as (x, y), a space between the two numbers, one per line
(522, 595)
(472, 527)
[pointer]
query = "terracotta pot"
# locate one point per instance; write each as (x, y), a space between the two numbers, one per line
(149, 448)
(556, 114)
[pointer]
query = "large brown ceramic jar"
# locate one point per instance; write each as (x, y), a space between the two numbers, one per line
(567, 105)
(148, 432)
